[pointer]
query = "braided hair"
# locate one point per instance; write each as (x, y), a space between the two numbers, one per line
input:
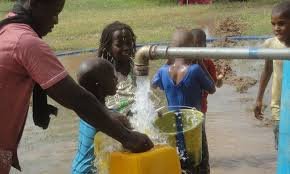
(106, 40)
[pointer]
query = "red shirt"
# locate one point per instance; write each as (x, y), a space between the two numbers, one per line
(212, 71)
(24, 60)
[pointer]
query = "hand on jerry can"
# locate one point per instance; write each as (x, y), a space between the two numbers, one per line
(137, 142)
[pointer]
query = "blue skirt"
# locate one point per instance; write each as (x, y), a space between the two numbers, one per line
(84, 158)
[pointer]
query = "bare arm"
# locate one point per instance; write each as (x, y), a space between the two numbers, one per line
(265, 77)
(219, 82)
(72, 96)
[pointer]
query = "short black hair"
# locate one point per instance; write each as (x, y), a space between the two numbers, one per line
(93, 70)
(106, 39)
(282, 8)
(198, 32)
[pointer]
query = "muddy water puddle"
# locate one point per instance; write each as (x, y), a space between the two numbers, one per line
(237, 142)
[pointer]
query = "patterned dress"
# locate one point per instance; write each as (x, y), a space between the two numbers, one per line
(124, 98)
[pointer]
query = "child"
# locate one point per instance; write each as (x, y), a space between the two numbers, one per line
(117, 45)
(182, 81)
(280, 20)
(91, 77)
(199, 38)
(200, 41)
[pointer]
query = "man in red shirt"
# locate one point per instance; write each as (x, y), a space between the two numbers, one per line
(209, 67)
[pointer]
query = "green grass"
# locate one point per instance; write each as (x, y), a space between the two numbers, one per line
(82, 21)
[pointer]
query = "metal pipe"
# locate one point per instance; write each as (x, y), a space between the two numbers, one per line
(238, 38)
(142, 62)
(164, 52)
(208, 40)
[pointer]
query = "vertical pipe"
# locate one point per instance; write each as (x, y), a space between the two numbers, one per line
(283, 166)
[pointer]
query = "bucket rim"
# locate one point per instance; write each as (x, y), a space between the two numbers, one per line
(199, 114)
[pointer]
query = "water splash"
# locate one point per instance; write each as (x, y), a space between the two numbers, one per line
(142, 120)
(144, 111)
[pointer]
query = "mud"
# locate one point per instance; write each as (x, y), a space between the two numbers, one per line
(238, 143)
(224, 28)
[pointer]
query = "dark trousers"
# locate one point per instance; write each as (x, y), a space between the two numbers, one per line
(204, 167)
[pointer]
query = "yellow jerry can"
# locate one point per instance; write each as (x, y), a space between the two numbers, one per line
(161, 159)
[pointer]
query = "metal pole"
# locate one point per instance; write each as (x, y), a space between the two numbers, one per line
(284, 125)
(151, 52)
(217, 53)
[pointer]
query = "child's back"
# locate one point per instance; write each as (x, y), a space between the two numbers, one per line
(183, 82)
(183, 86)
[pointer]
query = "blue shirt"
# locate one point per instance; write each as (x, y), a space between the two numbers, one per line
(188, 92)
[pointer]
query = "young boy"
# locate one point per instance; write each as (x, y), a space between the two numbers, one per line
(199, 39)
(280, 20)
(182, 81)
(98, 77)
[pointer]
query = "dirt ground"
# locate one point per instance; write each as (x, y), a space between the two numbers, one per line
(238, 143)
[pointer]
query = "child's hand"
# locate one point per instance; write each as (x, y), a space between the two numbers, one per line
(220, 77)
(258, 110)
(219, 82)
(223, 73)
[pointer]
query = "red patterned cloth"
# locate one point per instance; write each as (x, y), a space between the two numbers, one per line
(5, 161)
(212, 71)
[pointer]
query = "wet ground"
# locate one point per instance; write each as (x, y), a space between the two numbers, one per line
(238, 143)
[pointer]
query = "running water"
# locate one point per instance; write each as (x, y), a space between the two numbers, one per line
(142, 121)
(144, 111)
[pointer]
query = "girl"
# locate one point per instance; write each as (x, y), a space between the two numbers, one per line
(117, 45)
